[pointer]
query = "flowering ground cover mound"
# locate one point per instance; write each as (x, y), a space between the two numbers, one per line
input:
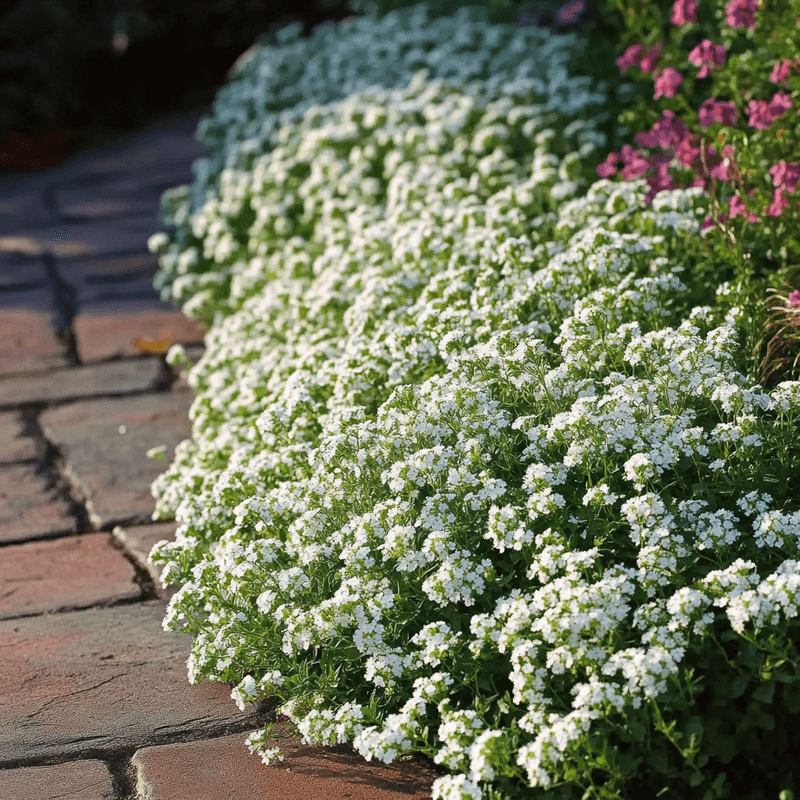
(479, 467)
(278, 85)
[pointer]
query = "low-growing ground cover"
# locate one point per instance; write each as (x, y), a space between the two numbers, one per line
(479, 467)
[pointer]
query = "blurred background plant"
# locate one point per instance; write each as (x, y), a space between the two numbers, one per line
(69, 71)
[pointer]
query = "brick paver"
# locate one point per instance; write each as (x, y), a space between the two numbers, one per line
(75, 780)
(92, 277)
(109, 331)
(28, 508)
(86, 239)
(23, 210)
(14, 445)
(135, 375)
(101, 679)
(224, 767)
(27, 342)
(105, 442)
(73, 572)
(19, 272)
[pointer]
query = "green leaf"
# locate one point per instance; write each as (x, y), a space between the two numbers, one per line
(658, 760)
(750, 656)
(764, 693)
(695, 728)
(723, 748)
(765, 721)
(791, 697)
(739, 685)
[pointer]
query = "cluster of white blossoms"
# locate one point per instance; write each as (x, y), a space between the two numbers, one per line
(258, 111)
(452, 425)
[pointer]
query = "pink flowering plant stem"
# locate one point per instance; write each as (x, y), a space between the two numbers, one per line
(742, 149)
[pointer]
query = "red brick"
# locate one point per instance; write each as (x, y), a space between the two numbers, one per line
(75, 780)
(29, 507)
(27, 342)
(14, 445)
(104, 679)
(102, 334)
(105, 444)
(115, 377)
(224, 767)
(74, 572)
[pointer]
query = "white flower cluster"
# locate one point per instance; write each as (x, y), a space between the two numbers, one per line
(256, 113)
(445, 432)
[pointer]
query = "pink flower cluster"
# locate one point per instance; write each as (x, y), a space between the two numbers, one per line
(667, 134)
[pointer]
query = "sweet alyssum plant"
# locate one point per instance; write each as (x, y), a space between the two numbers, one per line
(485, 478)
(278, 85)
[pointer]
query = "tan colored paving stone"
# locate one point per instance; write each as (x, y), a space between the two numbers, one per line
(28, 508)
(123, 297)
(85, 239)
(138, 540)
(168, 144)
(75, 780)
(27, 342)
(105, 443)
(101, 335)
(89, 271)
(102, 679)
(14, 445)
(73, 572)
(224, 767)
(115, 377)
(137, 192)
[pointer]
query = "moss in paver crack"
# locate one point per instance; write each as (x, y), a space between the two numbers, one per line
(479, 467)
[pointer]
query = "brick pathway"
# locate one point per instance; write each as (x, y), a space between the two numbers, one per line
(95, 703)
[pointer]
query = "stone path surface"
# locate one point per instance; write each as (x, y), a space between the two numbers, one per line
(95, 702)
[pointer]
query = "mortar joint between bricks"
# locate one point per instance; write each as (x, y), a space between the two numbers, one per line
(65, 307)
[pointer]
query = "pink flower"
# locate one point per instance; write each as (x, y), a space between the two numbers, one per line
(667, 83)
(788, 174)
(738, 207)
(648, 63)
(741, 13)
(762, 114)
(706, 55)
(686, 153)
(779, 104)
(635, 165)
(712, 111)
(780, 72)
(665, 133)
(629, 57)
(683, 12)
(779, 202)
(716, 166)
(794, 298)
(608, 167)
(759, 114)
(570, 13)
